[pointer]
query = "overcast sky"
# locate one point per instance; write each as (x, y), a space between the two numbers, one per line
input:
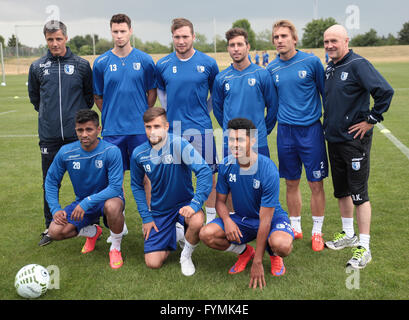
(151, 18)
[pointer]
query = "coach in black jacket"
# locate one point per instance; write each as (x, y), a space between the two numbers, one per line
(59, 84)
(348, 123)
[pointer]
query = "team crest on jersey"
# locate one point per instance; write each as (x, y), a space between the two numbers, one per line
(317, 174)
(99, 164)
(302, 74)
(344, 76)
(200, 69)
(356, 165)
(256, 183)
(136, 65)
(251, 81)
(168, 159)
(69, 69)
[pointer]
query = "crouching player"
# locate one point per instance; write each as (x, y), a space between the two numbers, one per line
(95, 170)
(253, 180)
(168, 161)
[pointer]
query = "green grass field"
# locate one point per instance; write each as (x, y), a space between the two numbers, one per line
(310, 275)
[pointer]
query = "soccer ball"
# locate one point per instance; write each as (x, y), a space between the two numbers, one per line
(32, 281)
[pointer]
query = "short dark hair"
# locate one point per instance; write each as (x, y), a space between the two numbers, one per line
(235, 32)
(53, 26)
(153, 113)
(242, 124)
(181, 22)
(120, 18)
(85, 115)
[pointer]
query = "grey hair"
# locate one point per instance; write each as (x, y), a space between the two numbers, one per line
(53, 26)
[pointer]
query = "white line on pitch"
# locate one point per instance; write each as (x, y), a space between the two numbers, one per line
(1, 113)
(404, 149)
(19, 136)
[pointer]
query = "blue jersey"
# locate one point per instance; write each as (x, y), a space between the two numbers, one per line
(187, 85)
(170, 172)
(246, 94)
(95, 176)
(299, 82)
(123, 83)
(259, 186)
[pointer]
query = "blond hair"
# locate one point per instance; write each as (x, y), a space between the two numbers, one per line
(285, 24)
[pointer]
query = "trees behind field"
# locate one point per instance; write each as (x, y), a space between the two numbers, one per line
(313, 36)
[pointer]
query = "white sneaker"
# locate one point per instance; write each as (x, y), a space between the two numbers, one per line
(124, 233)
(188, 268)
(360, 258)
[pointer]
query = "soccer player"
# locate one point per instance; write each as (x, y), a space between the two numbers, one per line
(185, 78)
(254, 183)
(95, 169)
(244, 90)
(124, 88)
(266, 56)
(257, 58)
(348, 123)
(168, 161)
(59, 84)
(299, 79)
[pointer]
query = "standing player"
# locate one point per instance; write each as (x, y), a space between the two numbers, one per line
(299, 79)
(59, 84)
(348, 123)
(185, 78)
(254, 183)
(95, 170)
(124, 88)
(245, 90)
(168, 160)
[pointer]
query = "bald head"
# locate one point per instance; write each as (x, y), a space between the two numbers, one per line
(336, 42)
(337, 30)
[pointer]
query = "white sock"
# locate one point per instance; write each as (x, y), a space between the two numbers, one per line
(348, 226)
(317, 222)
(236, 248)
(364, 240)
(296, 223)
(210, 214)
(116, 239)
(180, 234)
(188, 249)
(88, 231)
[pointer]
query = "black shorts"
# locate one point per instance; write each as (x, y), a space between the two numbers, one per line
(350, 168)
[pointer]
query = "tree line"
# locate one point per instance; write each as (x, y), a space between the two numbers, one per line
(312, 38)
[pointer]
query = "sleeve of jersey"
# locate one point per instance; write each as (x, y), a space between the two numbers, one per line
(203, 174)
(271, 98)
(159, 80)
(379, 88)
(33, 88)
(98, 78)
(150, 74)
(214, 70)
(115, 179)
(319, 76)
(271, 187)
(218, 101)
(54, 177)
(137, 176)
(88, 85)
(222, 185)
